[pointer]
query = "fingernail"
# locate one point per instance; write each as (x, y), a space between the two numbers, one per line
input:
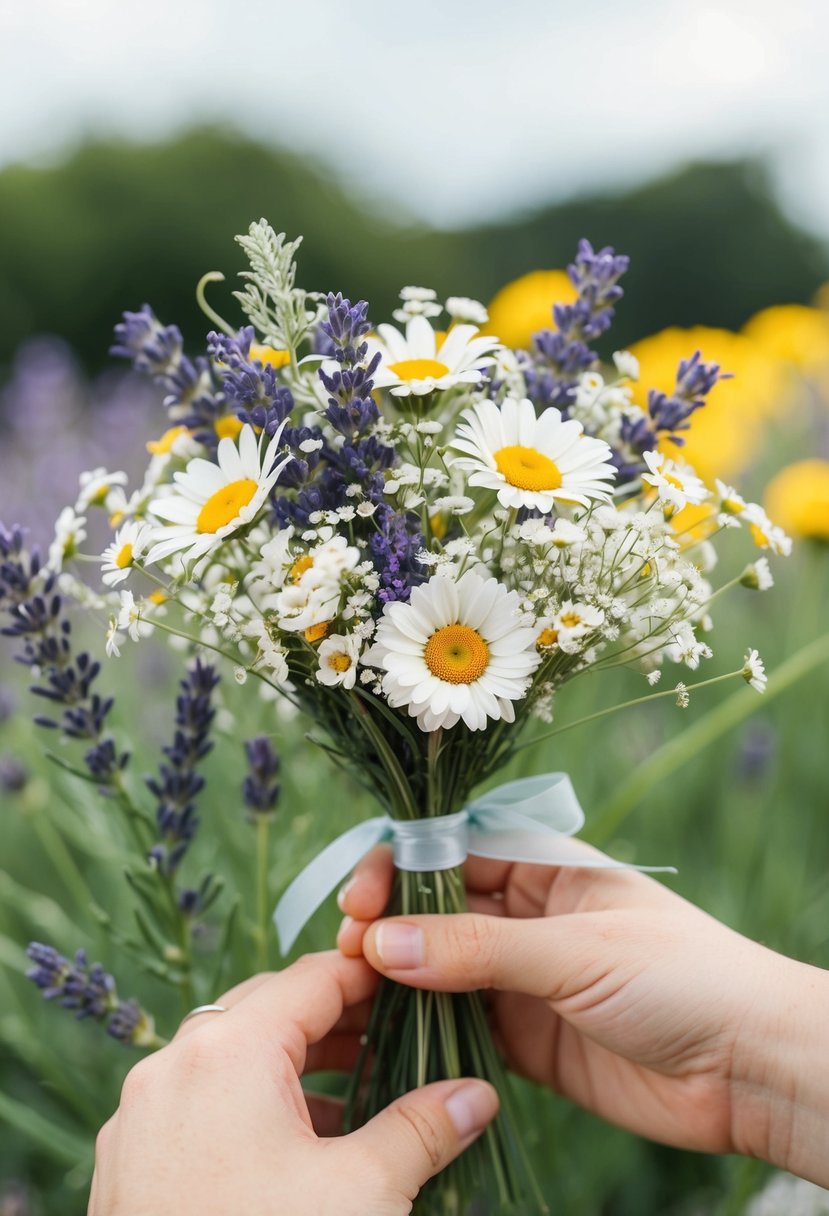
(400, 946)
(471, 1107)
(347, 922)
(342, 894)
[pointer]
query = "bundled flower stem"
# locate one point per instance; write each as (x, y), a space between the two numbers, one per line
(416, 536)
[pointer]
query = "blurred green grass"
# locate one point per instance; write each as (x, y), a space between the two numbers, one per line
(745, 822)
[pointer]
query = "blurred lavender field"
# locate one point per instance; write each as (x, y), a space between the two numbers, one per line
(57, 422)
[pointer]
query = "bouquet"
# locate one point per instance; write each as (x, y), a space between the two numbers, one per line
(415, 536)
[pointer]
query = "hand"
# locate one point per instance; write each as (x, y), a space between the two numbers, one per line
(614, 991)
(218, 1122)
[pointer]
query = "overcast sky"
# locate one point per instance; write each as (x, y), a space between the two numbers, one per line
(459, 109)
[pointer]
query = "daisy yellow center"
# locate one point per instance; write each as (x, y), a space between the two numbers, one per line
(227, 427)
(673, 481)
(340, 662)
(157, 597)
(271, 356)
(733, 506)
(547, 637)
(222, 507)
(158, 447)
(456, 654)
(124, 557)
(526, 468)
(570, 619)
(419, 369)
(300, 566)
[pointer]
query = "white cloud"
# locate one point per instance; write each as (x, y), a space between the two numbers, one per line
(460, 109)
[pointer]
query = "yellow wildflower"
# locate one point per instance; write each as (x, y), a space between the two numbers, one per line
(798, 499)
(525, 305)
(793, 333)
(726, 432)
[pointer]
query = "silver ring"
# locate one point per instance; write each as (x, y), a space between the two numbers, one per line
(203, 1009)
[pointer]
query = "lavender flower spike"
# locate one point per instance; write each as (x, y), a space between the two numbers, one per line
(260, 790)
(90, 992)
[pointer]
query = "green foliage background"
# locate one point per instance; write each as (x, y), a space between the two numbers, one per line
(116, 225)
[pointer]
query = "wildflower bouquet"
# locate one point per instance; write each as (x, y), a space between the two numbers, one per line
(415, 536)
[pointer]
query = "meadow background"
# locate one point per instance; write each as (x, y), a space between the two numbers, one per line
(732, 790)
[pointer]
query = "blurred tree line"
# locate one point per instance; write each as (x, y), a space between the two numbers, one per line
(118, 224)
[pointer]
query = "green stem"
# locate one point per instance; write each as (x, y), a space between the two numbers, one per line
(706, 730)
(612, 709)
(262, 911)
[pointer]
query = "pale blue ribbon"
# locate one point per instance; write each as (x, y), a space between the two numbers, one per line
(531, 820)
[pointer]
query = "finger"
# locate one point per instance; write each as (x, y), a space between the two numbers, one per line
(326, 1114)
(367, 893)
(486, 905)
(546, 957)
(300, 1005)
(420, 1133)
(227, 1001)
(350, 936)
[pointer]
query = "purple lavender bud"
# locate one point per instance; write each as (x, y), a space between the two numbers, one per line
(260, 790)
(178, 784)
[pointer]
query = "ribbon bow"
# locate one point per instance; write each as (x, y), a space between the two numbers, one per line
(530, 820)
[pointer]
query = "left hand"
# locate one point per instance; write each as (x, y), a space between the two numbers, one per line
(218, 1121)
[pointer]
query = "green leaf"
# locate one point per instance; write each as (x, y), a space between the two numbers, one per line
(60, 1143)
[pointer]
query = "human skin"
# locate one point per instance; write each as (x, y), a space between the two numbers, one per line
(614, 991)
(218, 1122)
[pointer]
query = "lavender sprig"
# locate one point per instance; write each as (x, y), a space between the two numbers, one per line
(668, 413)
(178, 784)
(191, 395)
(35, 616)
(560, 355)
(260, 789)
(90, 992)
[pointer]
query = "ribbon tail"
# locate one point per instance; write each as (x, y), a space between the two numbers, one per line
(546, 848)
(315, 883)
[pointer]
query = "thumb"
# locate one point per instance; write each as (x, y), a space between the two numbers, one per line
(546, 957)
(419, 1134)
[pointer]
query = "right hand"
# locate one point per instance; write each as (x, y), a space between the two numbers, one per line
(616, 992)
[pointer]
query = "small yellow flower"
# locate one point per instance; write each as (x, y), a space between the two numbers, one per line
(798, 499)
(314, 632)
(795, 334)
(724, 434)
(524, 306)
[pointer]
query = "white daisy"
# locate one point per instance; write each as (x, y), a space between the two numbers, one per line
(757, 575)
(96, 487)
(70, 533)
(118, 558)
(338, 659)
(531, 461)
(456, 650)
(766, 534)
(569, 627)
(754, 672)
(214, 500)
(676, 484)
(423, 361)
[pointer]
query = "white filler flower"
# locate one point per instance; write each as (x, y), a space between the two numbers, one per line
(214, 500)
(118, 558)
(424, 361)
(456, 650)
(532, 461)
